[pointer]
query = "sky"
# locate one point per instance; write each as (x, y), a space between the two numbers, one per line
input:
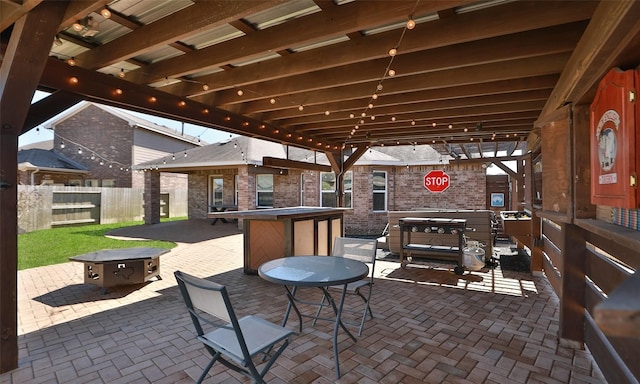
(205, 134)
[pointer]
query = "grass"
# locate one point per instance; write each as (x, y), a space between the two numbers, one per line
(56, 245)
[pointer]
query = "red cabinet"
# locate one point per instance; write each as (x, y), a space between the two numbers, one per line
(614, 141)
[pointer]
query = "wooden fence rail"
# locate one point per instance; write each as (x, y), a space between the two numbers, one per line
(43, 207)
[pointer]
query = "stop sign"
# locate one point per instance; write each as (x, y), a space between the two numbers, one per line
(436, 181)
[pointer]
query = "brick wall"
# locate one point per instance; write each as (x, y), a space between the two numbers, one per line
(286, 189)
(405, 191)
(108, 137)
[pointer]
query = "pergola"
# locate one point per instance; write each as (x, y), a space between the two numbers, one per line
(470, 78)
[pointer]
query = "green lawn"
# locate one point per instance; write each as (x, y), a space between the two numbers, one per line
(56, 245)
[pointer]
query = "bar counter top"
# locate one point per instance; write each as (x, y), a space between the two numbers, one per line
(275, 213)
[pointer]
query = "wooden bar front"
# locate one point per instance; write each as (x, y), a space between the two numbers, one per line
(281, 232)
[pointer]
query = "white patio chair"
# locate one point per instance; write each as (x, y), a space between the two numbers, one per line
(357, 249)
(237, 343)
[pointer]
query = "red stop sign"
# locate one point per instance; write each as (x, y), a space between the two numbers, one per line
(436, 181)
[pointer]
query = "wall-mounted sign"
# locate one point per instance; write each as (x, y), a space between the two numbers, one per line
(436, 181)
(614, 156)
(497, 199)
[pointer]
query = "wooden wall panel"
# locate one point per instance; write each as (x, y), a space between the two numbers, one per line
(604, 273)
(553, 276)
(582, 164)
(553, 232)
(555, 256)
(556, 162)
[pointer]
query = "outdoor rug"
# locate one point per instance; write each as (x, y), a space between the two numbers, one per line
(512, 258)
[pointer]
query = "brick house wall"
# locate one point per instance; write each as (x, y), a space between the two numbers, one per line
(405, 191)
(107, 135)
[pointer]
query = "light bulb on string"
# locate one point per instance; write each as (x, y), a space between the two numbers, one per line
(71, 61)
(411, 23)
(121, 74)
(393, 52)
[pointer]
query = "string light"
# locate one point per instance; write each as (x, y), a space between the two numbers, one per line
(121, 74)
(71, 61)
(106, 13)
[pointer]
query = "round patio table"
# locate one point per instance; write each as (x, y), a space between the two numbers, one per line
(320, 272)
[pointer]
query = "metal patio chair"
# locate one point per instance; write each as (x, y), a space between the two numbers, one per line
(363, 250)
(236, 342)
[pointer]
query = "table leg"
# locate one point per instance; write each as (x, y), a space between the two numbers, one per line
(291, 296)
(338, 322)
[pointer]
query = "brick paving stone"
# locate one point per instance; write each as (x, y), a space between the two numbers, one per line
(429, 327)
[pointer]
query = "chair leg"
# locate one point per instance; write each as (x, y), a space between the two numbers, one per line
(208, 368)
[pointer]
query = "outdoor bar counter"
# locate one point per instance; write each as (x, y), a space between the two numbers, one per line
(280, 232)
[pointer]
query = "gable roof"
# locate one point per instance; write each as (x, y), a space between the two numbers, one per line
(133, 121)
(243, 150)
(50, 160)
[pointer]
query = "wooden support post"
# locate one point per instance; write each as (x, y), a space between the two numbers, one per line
(572, 301)
(22, 66)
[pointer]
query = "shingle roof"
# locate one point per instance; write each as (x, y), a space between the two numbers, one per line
(246, 150)
(29, 159)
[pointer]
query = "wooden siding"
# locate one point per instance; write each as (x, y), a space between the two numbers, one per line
(42, 207)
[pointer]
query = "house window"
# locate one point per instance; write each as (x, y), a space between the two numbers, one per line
(264, 191)
(216, 186)
(110, 183)
(75, 183)
(92, 183)
(379, 191)
(328, 189)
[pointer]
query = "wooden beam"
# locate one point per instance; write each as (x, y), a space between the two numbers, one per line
(196, 18)
(499, 49)
(330, 23)
(612, 26)
(10, 12)
(293, 164)
(102, 88)
(464, 28)
(351, 160)
(50, 106)
(499, 163)
(22, 64)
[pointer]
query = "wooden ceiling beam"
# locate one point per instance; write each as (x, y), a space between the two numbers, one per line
(439, 116)
(421, 107)
(368, 48)
(483, 73)
(504, 48)
(293, 164)
(11, 11)
(466, 27)
(333, 22)
(200, 16)
(613, 25)
(470, 90)
(48, 107)
(79, 9)
(101, 88)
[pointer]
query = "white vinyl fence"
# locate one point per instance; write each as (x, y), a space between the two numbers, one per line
(43, 207)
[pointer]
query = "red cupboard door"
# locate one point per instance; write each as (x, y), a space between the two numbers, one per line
(614, 133)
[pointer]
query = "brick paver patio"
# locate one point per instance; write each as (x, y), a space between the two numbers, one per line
(430, 327)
